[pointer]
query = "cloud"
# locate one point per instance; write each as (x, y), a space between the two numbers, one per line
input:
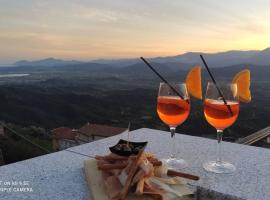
(254, 28)
(98, 15)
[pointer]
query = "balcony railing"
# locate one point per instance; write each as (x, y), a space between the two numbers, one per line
(255, 137)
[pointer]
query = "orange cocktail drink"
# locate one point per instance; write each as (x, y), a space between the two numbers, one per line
(218, 115)
(173, 110)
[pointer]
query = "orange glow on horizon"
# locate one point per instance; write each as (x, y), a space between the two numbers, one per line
(94, 30)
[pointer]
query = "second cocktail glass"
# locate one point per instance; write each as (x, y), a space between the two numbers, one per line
(221, 108)
(173, 107)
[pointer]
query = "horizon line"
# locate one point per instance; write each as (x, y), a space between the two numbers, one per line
(128, 58)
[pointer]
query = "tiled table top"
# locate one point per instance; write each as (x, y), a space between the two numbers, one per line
(60, 175)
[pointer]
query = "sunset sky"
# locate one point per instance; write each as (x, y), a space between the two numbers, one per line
(90, 29)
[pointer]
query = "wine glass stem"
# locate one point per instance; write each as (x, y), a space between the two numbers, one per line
(172, 129)
(219, 139)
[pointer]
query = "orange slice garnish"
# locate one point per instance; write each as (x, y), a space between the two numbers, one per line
(194, 82)
(242, 79)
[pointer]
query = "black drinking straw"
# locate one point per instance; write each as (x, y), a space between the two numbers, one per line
(214, 81)
(163, 79)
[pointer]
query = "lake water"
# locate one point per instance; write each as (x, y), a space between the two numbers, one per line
(12, 75)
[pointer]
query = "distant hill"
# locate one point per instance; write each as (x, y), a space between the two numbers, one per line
(47, 62)
(260, 58)
(140, 69)
(215, 59)
(117, 62)
(74, 68)
(189, 59)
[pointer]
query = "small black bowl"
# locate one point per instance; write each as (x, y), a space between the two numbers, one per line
(134, 148)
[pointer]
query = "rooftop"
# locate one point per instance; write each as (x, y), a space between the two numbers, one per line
(88, 129)
(63, 133)
(60, 175)
(100, 130)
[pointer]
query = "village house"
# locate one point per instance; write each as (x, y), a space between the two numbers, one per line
(64, 137)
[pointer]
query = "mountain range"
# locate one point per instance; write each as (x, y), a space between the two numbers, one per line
(47, 62)
(185, 60)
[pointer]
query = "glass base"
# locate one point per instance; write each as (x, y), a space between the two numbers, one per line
(174, 163)
(219, 167)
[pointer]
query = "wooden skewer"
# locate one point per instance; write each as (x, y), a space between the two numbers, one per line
(183, 175)
(123, 165)
(128, 134)
(123, 158)
(112, 166)
(114, 157)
